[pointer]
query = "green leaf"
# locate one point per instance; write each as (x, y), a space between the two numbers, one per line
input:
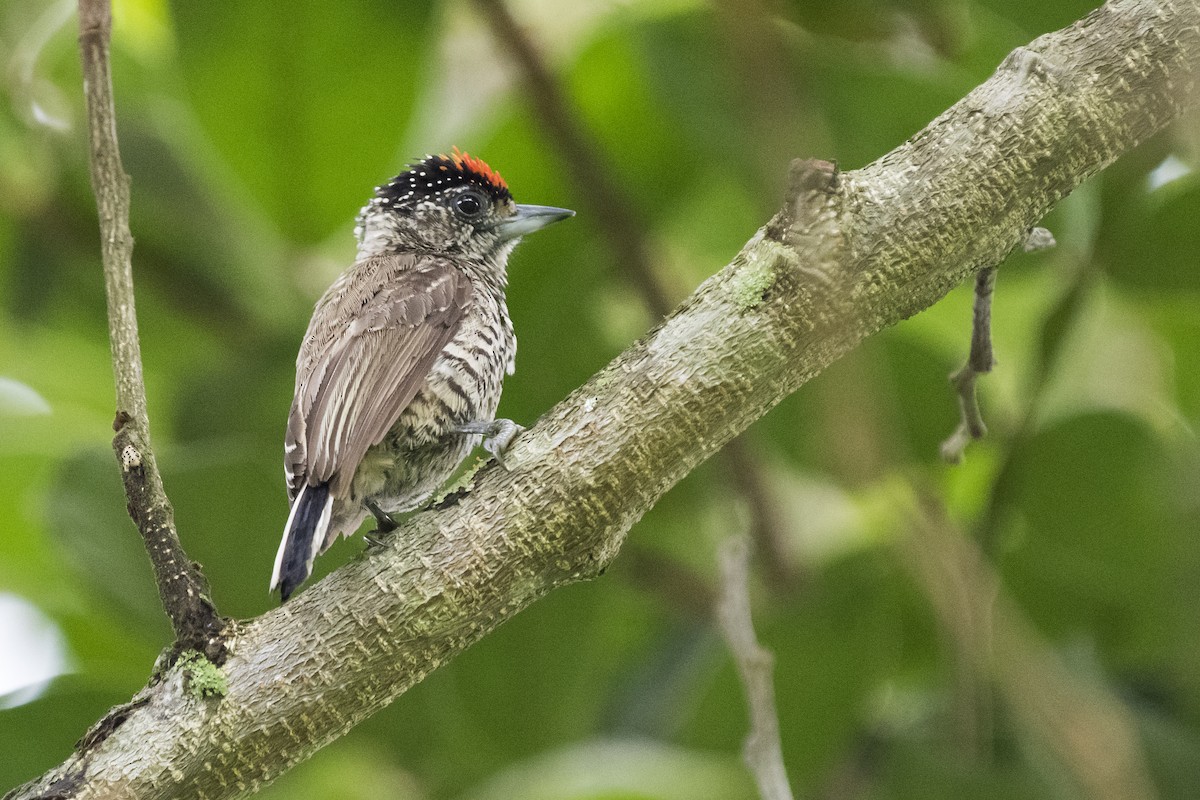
(36, 736)
(1036, 16)
(1152, 242)
(1098, 543)
(559, 667)
(863, 20)
(1172, 752)
(346, 770)
(918, 770)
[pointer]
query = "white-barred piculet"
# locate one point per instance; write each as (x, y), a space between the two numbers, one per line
(400, 371)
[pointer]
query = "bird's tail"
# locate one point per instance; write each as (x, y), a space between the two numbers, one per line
(307, 527)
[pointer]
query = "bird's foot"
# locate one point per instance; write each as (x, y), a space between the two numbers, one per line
(497, 435)
(384, 523)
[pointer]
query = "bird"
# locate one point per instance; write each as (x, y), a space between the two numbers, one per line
(400, 371)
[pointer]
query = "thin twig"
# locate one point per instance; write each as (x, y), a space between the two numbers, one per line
(747, 474)
(612, 210)
(762, 750)
(181, 586)
(979, 362)
(1054, 336)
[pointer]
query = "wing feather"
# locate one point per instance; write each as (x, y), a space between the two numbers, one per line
(374, 337)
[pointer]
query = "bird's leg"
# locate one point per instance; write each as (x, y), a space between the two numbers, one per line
(383, 520)
(498, 435)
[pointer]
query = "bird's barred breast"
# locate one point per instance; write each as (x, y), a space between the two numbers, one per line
(465, 382)
(421, 450)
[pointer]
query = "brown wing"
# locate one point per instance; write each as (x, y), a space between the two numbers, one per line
(370, 346)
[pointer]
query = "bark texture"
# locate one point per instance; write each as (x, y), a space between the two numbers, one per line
(847, 255)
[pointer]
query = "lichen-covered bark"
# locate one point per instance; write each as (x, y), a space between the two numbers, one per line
(848, 254)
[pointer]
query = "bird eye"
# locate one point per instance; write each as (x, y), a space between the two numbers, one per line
(469, 205)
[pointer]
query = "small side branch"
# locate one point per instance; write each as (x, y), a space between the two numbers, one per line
(979, 362)
(762, 751)
(181, 585)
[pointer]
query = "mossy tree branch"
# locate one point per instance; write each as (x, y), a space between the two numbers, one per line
(847, 255)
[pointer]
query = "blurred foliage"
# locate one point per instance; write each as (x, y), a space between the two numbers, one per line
(253, 132)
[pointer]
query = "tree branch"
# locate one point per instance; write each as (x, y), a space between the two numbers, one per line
(847, 255)
(762, 751)
(612, 209)
(181, 586)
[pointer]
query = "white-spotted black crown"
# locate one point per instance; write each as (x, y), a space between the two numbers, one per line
(437, 175)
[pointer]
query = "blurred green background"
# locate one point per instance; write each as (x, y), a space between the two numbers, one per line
(253, 132)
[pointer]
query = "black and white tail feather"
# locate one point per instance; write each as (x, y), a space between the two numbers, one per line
(305, 533)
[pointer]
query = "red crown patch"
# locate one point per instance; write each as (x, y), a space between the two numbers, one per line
(468, 162)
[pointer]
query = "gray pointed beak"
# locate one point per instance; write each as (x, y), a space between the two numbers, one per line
(529, 219)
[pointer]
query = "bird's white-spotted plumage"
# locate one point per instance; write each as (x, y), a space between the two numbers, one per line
(406, 348)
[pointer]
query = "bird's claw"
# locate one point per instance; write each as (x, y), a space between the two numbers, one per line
(384, 523)
(498, 436)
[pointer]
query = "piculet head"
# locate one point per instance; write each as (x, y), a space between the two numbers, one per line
(453, 204)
